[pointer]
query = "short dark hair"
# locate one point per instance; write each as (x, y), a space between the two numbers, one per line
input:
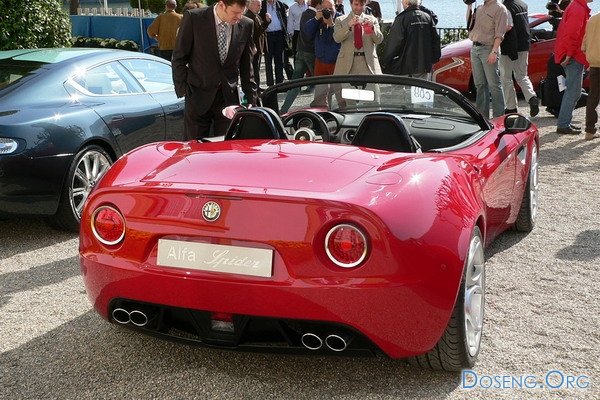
(241, 3)
(315, 3)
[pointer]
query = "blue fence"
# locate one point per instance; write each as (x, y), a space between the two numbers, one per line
(109, 27)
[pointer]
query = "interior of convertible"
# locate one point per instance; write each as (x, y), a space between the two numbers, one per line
(399, 115)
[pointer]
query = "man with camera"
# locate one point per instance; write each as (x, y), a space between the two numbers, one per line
(359, 34)
(487, 25)
(320, 28)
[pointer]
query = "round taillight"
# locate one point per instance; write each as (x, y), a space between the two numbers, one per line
(346, 245)
(108, 225)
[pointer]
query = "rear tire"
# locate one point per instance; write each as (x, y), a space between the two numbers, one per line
(459, 346)
(529, 205)
(88, 166)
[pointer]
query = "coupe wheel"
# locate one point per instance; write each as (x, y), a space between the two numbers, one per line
(87, 168)
(529, 205)
(459, 346)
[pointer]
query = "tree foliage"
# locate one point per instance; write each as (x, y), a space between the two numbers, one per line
(155, 6)
(34, 24)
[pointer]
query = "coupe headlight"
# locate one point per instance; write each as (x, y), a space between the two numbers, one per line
(7, 145)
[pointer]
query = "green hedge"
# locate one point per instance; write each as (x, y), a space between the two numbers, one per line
(81, 41)
(34, 24)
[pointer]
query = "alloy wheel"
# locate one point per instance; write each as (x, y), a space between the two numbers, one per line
(474, 295)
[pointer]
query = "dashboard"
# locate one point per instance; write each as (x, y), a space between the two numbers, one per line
(431, 131)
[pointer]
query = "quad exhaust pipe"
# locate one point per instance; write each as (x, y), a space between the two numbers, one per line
(136, 317)
(334, 342)
(338, 342)
(312, 341)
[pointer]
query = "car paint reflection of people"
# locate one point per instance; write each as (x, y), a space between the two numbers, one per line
(207, 73)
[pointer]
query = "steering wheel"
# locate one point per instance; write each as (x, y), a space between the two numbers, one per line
(316, 122)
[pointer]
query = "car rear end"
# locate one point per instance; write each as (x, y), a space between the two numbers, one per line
(239, 264)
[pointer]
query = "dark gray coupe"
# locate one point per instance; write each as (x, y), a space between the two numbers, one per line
(67, 114)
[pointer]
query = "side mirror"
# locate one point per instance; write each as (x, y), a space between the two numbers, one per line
(515, 123)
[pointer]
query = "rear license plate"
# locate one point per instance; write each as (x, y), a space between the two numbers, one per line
(215, 257)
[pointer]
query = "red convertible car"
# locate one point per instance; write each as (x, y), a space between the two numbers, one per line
(357, 227)
(454, 67)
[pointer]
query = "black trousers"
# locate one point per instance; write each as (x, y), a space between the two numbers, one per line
(166, 54)
(274, 54)
(211, 123)
(256, 66)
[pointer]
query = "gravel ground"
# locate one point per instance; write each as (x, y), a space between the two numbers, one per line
(542, 319)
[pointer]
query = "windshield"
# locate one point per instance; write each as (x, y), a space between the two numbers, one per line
(355, 94)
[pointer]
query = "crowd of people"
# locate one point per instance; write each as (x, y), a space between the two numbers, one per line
(322, 39)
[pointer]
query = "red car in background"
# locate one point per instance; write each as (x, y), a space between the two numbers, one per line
(454, 67)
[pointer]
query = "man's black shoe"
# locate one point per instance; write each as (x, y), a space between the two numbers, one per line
(567, 131)
(510, 110)
(534, 106)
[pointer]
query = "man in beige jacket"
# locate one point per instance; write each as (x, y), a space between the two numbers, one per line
(359, 35)
(164, 29)
(591, 47)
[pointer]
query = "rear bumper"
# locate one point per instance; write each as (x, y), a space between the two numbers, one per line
(400, 318)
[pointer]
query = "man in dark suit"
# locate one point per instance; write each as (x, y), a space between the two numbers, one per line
(260, 37)
(214, 47)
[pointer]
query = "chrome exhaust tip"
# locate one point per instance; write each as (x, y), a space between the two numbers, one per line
(121, 316)
(312, 341)
(338, 342)
(138, 318)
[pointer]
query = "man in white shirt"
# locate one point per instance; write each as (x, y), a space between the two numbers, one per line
(293, 23)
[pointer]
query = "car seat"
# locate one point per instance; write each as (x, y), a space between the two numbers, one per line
(255, 123)
(385, 131)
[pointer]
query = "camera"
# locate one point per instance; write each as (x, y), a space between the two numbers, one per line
(326, 13)
(467, 2)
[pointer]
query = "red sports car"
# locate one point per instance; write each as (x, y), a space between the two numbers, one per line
(356, 227)
(454, 67)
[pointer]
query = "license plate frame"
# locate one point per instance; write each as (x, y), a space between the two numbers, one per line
(209, 257)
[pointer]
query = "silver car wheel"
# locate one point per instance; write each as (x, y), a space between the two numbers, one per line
(474, 295)
(533, 183)
(91, 166)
